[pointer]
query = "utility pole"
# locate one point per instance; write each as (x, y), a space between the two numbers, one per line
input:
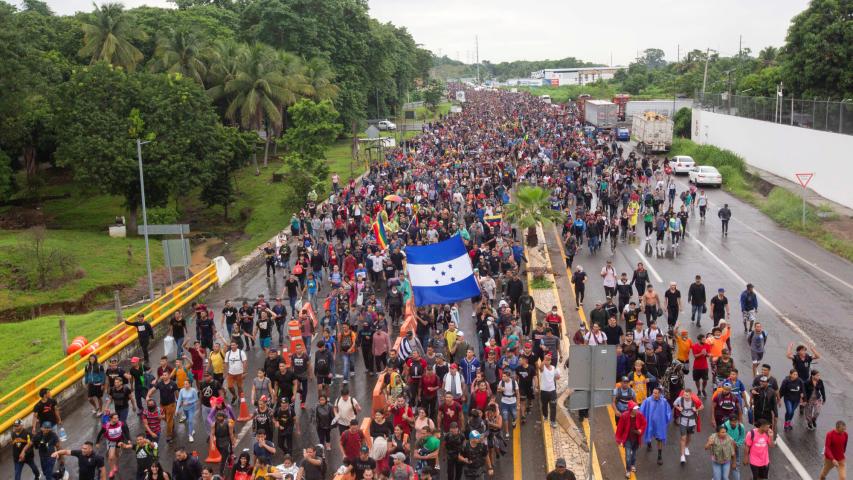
(477, 50)
(678, 53)
(705, 75)
(139, 144)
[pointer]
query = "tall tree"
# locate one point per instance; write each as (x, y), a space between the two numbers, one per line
(182, 50)
(108, 36)
(320, 75)
(819, 50)
(257, 92)
(530, 207)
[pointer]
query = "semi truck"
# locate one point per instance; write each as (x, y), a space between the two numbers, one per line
(600, 114)
(652, 132)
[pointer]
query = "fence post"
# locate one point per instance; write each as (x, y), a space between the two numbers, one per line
(117, 301)
(63, 333)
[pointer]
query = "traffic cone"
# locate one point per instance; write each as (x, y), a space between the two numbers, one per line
(244, 410)
(213, 455)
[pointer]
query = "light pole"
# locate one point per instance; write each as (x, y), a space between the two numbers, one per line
(139, 144)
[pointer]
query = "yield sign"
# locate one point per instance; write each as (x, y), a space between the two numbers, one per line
(804, 178)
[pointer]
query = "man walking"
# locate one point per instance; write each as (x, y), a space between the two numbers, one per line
(725, 215)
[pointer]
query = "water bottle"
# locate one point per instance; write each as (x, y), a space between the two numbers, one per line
(63, 436)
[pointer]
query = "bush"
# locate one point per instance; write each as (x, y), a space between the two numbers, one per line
(162, 216)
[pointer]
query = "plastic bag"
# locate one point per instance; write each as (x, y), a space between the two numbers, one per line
(170, 348)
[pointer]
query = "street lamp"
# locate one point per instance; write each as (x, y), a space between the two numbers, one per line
(139, 144)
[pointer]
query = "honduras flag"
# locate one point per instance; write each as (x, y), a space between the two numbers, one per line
(441, 273)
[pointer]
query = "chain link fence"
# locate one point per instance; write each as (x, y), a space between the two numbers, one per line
(827, 115)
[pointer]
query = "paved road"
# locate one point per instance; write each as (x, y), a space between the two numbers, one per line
(81, 426)
(805, 295)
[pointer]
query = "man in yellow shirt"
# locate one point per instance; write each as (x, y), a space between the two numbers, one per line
(216, 360)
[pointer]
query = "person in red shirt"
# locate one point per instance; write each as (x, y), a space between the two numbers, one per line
(834, 451)
(701, 351)
(430, 385)
(554, 321)
(450, 412)
(403, 415)
(351, 441)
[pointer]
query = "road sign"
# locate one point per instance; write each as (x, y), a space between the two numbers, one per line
(174, 229)
(177, 252)
(579, 400)
(372, 132)
(804, 178)
(603, 375)
(410, 114)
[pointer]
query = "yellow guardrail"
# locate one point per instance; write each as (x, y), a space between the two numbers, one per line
(20, 402)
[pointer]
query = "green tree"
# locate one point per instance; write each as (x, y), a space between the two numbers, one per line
(104, 109)
(320, 75)
(218, 186)
(433, 95)
(182, 51)
(682, 122)
(37, 6)
(653, 58)
(819, 50)
(7, 177)
(530, 207)
(314, 127)
(108, 36)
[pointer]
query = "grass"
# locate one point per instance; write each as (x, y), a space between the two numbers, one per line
(540, 283)
(598, 90)
(781, 205)
(23, 357)
(102, 259)
(424, 114)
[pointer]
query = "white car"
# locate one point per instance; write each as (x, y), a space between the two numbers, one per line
(705, 175)
(682, 164)
(386, 125)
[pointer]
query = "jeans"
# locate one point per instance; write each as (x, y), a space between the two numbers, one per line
(205, 412)
(696, 313)
(19, 468)
(630, 454)
(348, 364)
(179, 352)
(47, 462)
(122, 414)
(508, 411)
(189, 411)
(548, 401)
(720, 470)
(790, 409)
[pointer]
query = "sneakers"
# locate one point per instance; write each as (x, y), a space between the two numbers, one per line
(683, 460)
(686, 451)
(191, 438)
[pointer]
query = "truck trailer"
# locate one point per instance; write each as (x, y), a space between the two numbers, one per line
(600, 114)
(652, 131)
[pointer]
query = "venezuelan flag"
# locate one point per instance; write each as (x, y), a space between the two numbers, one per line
(379, 233)
(493, 220)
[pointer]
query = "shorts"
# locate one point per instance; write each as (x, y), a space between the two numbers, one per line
(508, 410)
(761, 472)
(265, 342)
(95, 390)
(700, 374)
(323, 380)
(756, 357)
(235, 380)
(685, 430)
(526, 392)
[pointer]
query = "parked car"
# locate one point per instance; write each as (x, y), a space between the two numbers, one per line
(386, 125)
(623, 134)
(682, 164)
(705, 175)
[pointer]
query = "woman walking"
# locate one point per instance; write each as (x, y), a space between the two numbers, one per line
(791, 391)
(187, 403)
(815, 397)
(722, 449)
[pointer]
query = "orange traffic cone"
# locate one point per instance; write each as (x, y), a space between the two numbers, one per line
(213, 456)
(244, 410)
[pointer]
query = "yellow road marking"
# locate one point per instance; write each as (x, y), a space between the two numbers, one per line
(516, 451)
(596, 466)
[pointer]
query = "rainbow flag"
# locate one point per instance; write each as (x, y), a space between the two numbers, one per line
(493, 220)
(379, 233)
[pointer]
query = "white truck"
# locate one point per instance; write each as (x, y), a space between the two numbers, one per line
(652, 132)
(600, 113)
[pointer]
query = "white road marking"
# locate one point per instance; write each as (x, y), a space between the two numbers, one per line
(788, 251)
(648, 264)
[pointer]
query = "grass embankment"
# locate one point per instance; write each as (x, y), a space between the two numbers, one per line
(781, 205)
(424, 114)
(29, 347)
(598, 90)
(103, 262)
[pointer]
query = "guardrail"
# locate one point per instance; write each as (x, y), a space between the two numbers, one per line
(20, 402)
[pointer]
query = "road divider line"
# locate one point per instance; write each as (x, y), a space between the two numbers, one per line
(596, 465)
(647, 263)
(612, 415)
(516, 452)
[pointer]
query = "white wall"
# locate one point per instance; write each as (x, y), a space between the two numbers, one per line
(784, 150)
(638, 107)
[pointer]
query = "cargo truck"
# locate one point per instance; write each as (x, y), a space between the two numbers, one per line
(652, 132)
(600, 114)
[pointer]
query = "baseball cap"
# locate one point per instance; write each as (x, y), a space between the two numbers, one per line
(727, 384)
(721, 290)
(46, 425)
(18, 423)
(560, 463)
(364, 449)
(474, 434)
(399, 456)
(625, 379)
(134, 360)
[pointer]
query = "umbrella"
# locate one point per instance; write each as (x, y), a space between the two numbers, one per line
(393, 198)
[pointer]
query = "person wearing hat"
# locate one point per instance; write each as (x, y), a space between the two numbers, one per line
(629, 434)
(23, 453)
(46, 442)
(362, 464)
(400, 469)
(560, 472)
(475, 457)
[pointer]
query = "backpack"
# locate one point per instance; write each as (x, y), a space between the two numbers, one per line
(752, 334)
(297, 269)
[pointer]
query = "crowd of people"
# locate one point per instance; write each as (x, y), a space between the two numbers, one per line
(456, 384)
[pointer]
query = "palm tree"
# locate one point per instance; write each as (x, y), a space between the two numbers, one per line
(107, 36)
(320, 75)
(297, 86)
(224, 58)
(257, 92)
(531, 206)
(182, 51)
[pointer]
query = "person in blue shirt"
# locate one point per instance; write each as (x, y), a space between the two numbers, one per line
(749, 307)
(469, 366)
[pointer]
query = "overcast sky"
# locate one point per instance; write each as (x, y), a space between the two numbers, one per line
(588, 30)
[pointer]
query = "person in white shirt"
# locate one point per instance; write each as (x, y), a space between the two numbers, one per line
(608, 273)
(548, 377)
(237, 363)
(346, 409)
(595, 336)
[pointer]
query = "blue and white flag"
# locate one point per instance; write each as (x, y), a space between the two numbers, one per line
(441, 273)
